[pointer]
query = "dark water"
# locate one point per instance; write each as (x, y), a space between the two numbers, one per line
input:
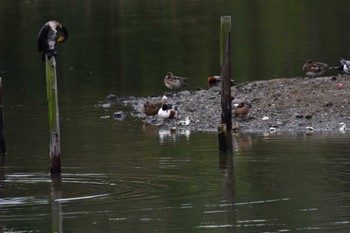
(125, 177)
(175, 183)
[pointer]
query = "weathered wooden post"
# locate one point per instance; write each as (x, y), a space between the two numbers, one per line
(51, 33)
(2, 131)
(225, 129)
(54, 126)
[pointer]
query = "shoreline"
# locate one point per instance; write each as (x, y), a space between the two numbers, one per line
(285, 104)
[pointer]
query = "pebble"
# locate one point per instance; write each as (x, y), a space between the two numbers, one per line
(106, 105)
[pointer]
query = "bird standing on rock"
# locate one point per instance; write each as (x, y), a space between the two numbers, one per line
(314, 69)
(51, 33)
(174, 82)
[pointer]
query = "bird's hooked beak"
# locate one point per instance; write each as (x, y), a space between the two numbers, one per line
(61, 39)
(64, 35)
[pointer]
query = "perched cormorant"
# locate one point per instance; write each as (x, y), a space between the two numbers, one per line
(49, 34)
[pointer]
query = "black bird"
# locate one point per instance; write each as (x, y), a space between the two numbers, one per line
(49, 34)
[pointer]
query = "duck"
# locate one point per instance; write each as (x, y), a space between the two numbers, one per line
(215, 81)
(174, 82)
(51, 33)
(165, 112)
(242, 110)
(344, 62)
(151, 108)
(344, 66)
(344, 69)
(235, 102)
(314, 69)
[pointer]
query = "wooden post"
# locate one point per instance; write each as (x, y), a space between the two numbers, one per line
(54, 126)
(226, 114)
(225, 142)
(2, 131)
(225, 29)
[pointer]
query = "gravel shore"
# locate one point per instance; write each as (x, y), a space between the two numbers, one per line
(287, 104)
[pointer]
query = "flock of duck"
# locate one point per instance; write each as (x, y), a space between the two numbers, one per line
(164, 110)
(241, 108)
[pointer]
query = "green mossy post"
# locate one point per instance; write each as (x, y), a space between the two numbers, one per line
(2, 131)
(54, 126)
(225, 129)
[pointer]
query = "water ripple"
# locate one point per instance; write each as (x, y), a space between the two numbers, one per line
(63, 200)
(22, 201)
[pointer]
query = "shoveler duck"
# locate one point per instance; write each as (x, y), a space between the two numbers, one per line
(165, 112)
(174, 82)
(151, 108)
(243, 110)
(215, 81)
(51, 33)
(314, 69)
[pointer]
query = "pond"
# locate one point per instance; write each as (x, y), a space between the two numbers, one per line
(162, 182)
(123, 176)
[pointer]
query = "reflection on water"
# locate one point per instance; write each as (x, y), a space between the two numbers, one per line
(166, 135)
(2, 176)
(242, 142)
(268, 184)
(56, 207)
(171, 135)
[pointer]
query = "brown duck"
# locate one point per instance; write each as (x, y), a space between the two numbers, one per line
(314, 69)
(174, 82)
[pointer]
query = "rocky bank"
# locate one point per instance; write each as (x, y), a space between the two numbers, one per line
(287, 104)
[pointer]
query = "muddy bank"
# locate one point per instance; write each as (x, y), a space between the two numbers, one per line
(288, 104)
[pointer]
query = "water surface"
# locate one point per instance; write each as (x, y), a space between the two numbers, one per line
(122, 176)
